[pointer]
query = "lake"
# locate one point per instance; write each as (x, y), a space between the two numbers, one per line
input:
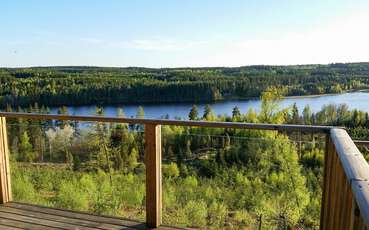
(355, 100)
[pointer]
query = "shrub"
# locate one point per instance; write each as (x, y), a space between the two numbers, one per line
(217, 215)
(70, 196)
(196, 212)
(23, 190)
(171, 170)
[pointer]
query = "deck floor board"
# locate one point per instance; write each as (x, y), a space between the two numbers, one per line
(25, 216)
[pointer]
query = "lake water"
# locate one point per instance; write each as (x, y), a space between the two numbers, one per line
(355, 100)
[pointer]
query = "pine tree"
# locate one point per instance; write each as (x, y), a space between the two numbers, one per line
(132, 160)
(194, 113)
(307, 115)
(236, 113)
(140, 113)
(295, 115)
(208, 113)
(25, 148)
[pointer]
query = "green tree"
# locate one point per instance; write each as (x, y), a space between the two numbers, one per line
(307, 115)
(132, 160)
(140, 113)
(295, 119)
(270, 112)
(236, 113)
(194, 113)
(25, 148)
(208, 113)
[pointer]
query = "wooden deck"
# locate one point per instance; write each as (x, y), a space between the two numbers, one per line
(25, 216)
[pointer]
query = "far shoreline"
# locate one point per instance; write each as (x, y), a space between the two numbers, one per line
(227, 99)
(329, 94)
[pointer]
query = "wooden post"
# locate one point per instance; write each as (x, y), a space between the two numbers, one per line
(325, 189)
(153, 175)
(5, 187)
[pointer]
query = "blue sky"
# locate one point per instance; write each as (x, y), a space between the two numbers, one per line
(173, 33)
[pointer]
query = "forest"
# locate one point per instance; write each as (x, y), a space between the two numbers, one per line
(58, 86)
(213, 178)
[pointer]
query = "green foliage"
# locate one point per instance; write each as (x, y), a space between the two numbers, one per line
(70, 196)
(217, 215)
(194, 113)
(171, 170)
(236, 114)
(25, 148)
(23, 188)
(244, 219)
(196, 212)
(270, 112)
(208, 113)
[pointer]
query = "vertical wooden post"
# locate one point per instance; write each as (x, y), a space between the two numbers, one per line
(328, 161)
(5, 187)
(153, 175)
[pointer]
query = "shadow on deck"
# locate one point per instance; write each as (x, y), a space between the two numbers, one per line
(24, 216)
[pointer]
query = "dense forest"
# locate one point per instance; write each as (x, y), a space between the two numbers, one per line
(57, 86)
(213, 178)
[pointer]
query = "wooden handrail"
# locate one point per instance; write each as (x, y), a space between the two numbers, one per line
(208, 124)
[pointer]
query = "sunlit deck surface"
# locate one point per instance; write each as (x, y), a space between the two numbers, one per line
(25, 216)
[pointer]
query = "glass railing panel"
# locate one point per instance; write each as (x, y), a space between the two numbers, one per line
(83, 166)
(241, 179)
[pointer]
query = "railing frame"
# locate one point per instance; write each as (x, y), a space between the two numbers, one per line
(5, 185)
(345, 203)
(345, 199)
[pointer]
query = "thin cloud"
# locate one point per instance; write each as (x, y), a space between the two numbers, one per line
(159, 44)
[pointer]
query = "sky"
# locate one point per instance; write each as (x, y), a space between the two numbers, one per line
(182, 33)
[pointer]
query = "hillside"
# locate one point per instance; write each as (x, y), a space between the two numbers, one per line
(56, 86)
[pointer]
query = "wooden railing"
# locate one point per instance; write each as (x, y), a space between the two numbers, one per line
(345, 200)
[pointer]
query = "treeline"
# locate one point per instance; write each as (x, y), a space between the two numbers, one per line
(57, 86)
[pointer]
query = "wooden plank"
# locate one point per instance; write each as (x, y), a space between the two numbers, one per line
(236, 125)
(7, 227)
(78, 215)
(5, 186)
(153, 175)
(328, 159)
(361, 191)
(7, 160)
(333, 192)
(339, 195)
(357, 174)
(3, 189)
(62, 219)
(344, 218)
(43, 222)
(14, 224)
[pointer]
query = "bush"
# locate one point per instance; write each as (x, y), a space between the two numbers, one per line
(23, 190)
(217, 214)
(171, 170)
(196, 212)
(243, 218)
(70, 196)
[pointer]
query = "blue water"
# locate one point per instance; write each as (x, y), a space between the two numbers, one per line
(355, 100)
